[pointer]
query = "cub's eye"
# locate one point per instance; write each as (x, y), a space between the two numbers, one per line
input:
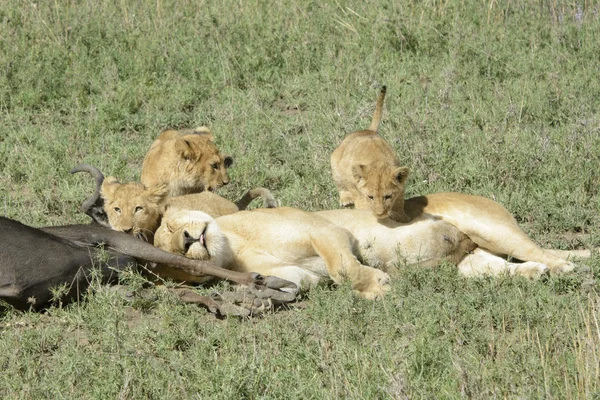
(117, 210)
(387, 197)
(215, 166)
(370, 197)
(138, 209)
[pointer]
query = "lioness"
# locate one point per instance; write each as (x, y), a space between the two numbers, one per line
(188, 161)
(367, 172)
(485, 222)
(475, 233)
(294, 245)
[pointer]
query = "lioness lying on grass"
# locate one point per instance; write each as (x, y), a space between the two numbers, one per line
(302, 247)
(475, 233)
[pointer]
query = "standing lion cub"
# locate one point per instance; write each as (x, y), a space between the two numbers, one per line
(367, 172)
(187, 161)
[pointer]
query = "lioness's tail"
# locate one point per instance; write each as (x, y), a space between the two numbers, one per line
(268, 199)
(378, 111)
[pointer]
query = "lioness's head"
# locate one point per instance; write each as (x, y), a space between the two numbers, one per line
(192, 234)
(189, 163)
(132, 207)
(382, 185)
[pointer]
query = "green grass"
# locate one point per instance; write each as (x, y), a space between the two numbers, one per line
(492, 98)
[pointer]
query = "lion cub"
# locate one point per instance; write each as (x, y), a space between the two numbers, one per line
(132, 207)
(136, 209)
(187, 161)
(367, 172)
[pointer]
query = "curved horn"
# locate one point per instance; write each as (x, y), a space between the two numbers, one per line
(93, 205)
(98, 176)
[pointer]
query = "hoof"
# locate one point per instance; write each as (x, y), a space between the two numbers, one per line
(277, 289)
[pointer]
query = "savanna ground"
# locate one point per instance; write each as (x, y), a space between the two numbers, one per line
(495, 98)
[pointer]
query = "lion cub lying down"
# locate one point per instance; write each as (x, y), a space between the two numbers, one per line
(136, 209)
(187, 161)
(295, 245)
(367, 172)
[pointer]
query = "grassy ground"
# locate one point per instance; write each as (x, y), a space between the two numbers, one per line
(493, 98)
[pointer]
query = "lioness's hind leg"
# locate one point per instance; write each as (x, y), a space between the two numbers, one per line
(336, 247)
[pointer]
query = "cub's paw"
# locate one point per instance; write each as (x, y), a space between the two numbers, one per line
(380, 285)
(346, 200)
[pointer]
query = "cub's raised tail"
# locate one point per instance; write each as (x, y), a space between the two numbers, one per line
(378, 111)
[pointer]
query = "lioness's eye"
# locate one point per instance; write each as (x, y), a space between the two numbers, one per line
(387, 196)
(117, 210)
(215, 166)
(370, 197)
(138, 209)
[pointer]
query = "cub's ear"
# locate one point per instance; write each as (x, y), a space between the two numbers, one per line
(183, 148)
(110, 184)
(157, 194)
(228, 161)
(401, 173)
(205, 132)
(359, 172)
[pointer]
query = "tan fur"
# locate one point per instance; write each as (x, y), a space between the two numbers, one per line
(217, 206)
(488, 235)
(188, 161)
(121, 200)
(288, 243)
(489, 225)
(367, 172)
(132, 207)
(193, 234)
(475, 233)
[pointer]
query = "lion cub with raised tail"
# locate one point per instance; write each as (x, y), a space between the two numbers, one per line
(367, 172)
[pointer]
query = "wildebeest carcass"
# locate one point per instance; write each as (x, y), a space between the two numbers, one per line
(33, 261)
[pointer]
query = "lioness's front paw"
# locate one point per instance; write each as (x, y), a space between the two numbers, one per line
(381, 284)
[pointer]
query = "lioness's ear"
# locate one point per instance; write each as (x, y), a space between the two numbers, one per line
(228, 161)
(110, 184)
(358, 172)
(401, 173)
(157, 194)
(183, 148)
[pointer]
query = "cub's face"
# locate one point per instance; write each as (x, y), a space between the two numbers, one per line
(192, 234)
(132, 208)
(382, 186)
(200, 165)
